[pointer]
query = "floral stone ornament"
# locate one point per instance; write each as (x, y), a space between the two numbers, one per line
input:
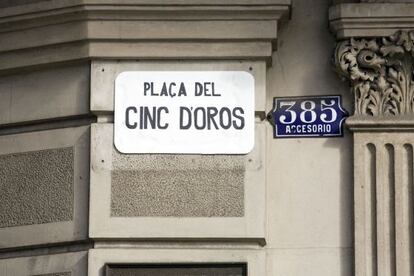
(381, 73)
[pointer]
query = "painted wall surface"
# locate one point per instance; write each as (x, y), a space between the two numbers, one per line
(309, 181)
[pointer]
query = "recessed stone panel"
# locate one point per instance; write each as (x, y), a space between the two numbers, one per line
(177, 186)
(44, 179)
(26, 181)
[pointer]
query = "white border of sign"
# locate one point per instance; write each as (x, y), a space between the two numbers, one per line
(233, 95)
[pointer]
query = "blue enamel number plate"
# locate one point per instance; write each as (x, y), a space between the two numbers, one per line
(314, 116)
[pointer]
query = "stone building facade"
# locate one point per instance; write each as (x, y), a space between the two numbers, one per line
(71, 204)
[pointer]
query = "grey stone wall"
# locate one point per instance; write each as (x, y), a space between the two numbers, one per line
(44, 94)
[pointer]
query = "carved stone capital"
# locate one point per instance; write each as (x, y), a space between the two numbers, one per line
(381, 73)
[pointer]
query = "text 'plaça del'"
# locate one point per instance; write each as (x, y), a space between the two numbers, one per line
(173, 89)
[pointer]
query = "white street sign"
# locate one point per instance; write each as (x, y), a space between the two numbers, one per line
(210, 112)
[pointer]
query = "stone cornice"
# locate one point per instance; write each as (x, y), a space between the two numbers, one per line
(66, 30)
(45, 13)
(370, 19)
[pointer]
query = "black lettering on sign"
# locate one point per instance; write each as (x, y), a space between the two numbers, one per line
(170, 90)
(167, 89)
(239, 117)
(185, 121)
(225, 118)
(151, 117)
(164, 91)
(200, 115)
(198, 89)
(214, 91)
(127, 117)
(205, 89)
(148, 117)
(212, 118)
(211, 115)
(148, 87)
(160, 109)
(182, 91)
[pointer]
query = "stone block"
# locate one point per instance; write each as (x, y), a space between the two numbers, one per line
(44, 186)
(66, 264)
(44, 94)
(175, 196)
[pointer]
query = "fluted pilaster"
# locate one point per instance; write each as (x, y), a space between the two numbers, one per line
(383, 203)
(380, 73)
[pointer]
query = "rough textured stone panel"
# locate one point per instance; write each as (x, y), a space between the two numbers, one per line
(177, 185)
(36, 187)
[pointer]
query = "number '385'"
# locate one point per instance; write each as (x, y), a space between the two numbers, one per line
(308, 111)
